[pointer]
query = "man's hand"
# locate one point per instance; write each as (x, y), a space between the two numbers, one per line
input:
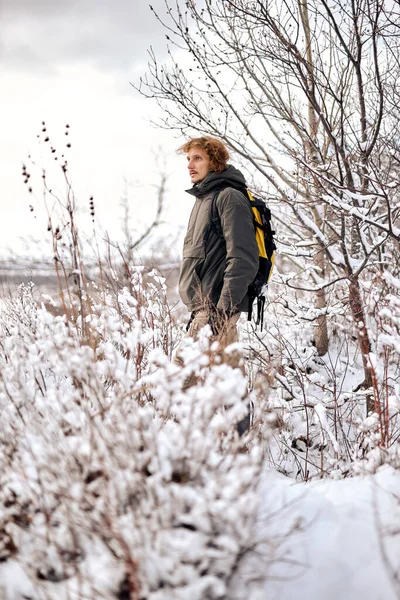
(218, 320)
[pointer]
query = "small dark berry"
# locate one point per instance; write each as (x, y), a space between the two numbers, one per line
(68, 145)
(46, 139)
(30, 190)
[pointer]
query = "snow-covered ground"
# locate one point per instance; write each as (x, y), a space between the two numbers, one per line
(326, 540)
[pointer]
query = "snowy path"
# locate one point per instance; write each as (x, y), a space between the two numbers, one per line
(326, 539)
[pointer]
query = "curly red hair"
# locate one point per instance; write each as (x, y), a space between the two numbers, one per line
(215, 149)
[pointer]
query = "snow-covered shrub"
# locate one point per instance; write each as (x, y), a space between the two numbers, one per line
(320, 402)
(115, 480)
(382, 427)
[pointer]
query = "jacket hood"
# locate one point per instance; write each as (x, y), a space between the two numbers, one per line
(230, 177)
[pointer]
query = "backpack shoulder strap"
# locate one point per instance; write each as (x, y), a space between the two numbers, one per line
(215, 221)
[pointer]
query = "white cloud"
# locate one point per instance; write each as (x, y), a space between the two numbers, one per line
(71, 62)
(41, 35)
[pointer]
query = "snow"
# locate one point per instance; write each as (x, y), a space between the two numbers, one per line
(321, 415)
(330, 539)
(113, 470)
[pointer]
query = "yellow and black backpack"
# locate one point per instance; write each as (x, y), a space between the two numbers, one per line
(266, 250)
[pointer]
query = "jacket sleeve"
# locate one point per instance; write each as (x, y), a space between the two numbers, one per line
(241, 247)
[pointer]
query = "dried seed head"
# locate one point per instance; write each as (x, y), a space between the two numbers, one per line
(91, 207)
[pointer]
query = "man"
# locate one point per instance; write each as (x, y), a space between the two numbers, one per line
(217, 266)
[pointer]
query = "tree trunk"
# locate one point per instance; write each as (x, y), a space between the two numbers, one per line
(356, 307)
(321, 330)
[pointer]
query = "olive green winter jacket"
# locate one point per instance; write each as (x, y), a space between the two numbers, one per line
(215, 269)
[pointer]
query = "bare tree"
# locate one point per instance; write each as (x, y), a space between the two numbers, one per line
(305, 91)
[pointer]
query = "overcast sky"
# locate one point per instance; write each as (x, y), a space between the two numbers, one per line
(72, 62)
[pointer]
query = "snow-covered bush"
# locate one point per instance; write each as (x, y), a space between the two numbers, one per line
(116, 481)
(320, 401)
